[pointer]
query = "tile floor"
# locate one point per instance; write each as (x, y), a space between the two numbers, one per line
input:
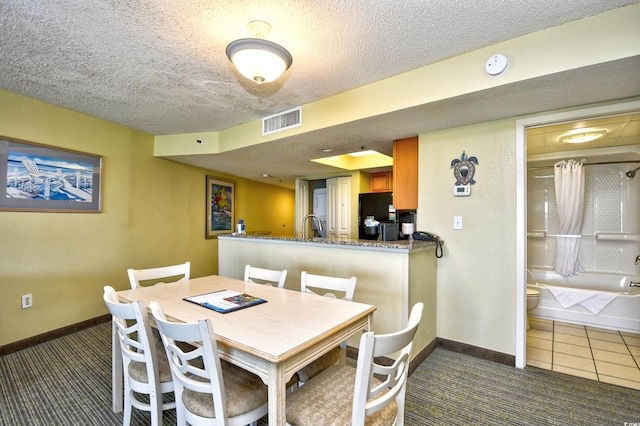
(605, 355)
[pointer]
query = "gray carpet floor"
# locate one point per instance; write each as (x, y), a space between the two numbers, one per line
(68, 382)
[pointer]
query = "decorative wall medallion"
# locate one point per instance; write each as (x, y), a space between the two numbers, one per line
(463, 169)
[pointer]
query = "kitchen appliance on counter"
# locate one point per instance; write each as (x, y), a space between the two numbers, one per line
(389, 231)
(406, 223)
(379, 205)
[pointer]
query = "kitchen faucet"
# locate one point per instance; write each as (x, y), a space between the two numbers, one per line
(304, 223)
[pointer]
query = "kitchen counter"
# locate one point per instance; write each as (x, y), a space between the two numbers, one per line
(400, 245)
(392, 275)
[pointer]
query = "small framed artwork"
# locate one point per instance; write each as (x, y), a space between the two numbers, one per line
(220, 207)
(36, 177)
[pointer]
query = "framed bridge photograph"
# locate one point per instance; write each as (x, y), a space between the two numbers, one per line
(35, 177)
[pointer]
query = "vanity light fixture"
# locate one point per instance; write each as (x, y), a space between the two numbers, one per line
(583, 137)
(258, 59)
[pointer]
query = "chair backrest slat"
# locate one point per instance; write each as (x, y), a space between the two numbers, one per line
(136, 275)
(265, 276)
(311, 282)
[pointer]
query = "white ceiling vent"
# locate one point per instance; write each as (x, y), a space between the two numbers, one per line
(282, 121)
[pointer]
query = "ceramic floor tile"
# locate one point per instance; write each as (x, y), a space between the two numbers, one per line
(534, 342)
(614, 358)
(568, 324)
(602, 330)
(621, 371)
(631, 340)
(540, 334)
(575, 372)
(539, 355)
(540, 324)
(619, 382)
(575, 362)
(575, 350)
(609, 346)
(572, 340)
(539, 364)
(573, 331)
(607, 337)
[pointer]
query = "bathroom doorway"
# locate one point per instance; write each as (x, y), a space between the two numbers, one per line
(522, 127)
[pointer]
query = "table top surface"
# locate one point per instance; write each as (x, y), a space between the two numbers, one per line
(289, 322)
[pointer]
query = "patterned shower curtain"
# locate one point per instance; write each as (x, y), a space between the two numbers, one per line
(569, 183)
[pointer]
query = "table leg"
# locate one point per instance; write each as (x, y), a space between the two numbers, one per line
(277, 395)
(116, 371)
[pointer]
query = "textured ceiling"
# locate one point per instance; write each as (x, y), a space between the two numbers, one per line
(159, 66)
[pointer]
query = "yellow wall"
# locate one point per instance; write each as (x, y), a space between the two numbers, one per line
(476, 277)
(153, 214)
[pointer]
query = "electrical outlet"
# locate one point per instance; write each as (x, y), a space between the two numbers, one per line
(27, 301)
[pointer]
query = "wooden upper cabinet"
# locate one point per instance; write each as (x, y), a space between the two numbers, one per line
(381, 182)
(405, 173)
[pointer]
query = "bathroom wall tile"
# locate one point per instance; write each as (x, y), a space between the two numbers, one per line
(544, 344)
(567, 329)
(614, 358)
(619, 382)
(609, 346)
(621, 371)
(575, 372)
(564, 348)
(575, 362)
(573, 340)
(609, 337)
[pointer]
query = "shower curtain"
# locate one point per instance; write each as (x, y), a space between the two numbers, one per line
(569, 184)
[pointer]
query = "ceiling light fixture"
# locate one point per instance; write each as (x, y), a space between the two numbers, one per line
(258, 59)
(583, 137)
(363, 153)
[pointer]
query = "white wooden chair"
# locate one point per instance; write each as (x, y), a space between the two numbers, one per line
(371, 393)
(145, 366)
(265, 276)
(137, 275)
(319, 284)
(208, 391)
(330, 287)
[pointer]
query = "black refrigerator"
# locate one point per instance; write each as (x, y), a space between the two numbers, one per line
(374, 204)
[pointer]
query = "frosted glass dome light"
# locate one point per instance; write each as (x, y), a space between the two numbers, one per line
(258, 59)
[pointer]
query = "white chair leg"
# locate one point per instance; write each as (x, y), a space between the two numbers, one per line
(126, 420)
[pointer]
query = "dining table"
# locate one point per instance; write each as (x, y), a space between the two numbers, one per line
(273, 340)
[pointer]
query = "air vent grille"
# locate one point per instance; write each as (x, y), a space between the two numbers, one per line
(282, 121)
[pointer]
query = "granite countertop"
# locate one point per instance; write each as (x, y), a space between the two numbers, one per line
(370, 244)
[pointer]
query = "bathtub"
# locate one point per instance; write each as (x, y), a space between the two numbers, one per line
(622, 313)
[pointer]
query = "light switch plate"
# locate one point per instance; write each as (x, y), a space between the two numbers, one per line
(457, 222)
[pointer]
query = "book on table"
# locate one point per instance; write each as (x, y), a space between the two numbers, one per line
(225, 300)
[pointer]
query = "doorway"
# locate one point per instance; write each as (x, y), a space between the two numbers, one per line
(521, 203)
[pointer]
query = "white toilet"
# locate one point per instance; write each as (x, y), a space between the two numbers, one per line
(533, 298)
